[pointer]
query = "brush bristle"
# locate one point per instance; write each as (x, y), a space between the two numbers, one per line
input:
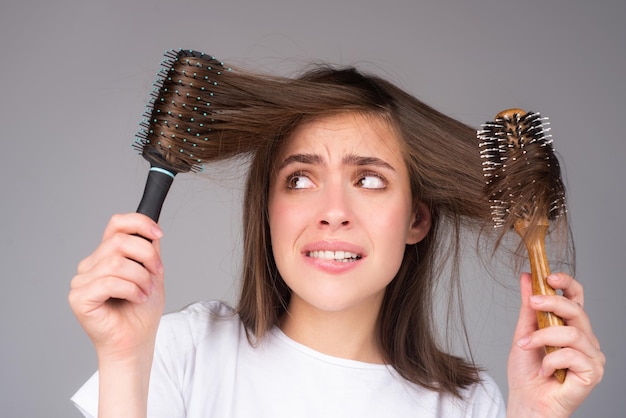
(177, 127)
(522, 172)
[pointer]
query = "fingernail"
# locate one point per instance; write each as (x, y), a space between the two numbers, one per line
(554, 279)
(157, 232)
(523, 341)
(536, 300)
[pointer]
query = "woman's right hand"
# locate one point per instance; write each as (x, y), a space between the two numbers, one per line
(118, 294)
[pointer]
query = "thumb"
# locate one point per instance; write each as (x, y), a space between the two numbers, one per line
(527, 321)
(523, 364)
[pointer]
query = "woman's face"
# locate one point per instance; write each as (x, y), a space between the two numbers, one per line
(341, 212)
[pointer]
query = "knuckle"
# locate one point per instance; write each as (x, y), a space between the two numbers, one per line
(118, 239)
(76, 299)
(83, 265)
(116, 219)
(573, 334)
(115, 263)
(72, 297)
(142, 277)
(600, 374)
(115, 224)
(114, 286)
(75, 282)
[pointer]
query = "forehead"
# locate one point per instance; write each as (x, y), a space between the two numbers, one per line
(342, 134)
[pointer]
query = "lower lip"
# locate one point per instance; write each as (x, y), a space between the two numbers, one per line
(332, 266)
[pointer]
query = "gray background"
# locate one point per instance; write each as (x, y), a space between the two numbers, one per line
(74, 79)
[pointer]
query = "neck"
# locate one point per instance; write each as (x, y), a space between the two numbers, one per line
(349, 334)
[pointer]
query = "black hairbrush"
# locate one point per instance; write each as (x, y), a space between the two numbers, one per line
(525, 190)
(160, 141)
(194, 98)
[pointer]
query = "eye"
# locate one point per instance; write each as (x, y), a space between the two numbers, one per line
(371, 181)
(299, 181)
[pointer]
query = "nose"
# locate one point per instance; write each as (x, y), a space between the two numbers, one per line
(335, 209)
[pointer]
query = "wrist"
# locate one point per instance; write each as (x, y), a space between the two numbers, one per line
(128, 358)
(523, 409)
(124, 384)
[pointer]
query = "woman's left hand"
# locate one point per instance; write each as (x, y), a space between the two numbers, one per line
(533, 390)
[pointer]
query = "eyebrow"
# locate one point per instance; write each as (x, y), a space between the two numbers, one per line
(350, 159)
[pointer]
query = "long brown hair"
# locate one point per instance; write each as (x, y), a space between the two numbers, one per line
(445, 173)
(204, 111)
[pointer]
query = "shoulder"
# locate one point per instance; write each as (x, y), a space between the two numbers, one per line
(206, 311)
(189, 339)
(484, 398)
(195, 323)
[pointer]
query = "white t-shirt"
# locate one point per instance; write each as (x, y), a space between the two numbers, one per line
(205, 367)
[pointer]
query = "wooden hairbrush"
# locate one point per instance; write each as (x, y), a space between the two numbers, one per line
(525, 190)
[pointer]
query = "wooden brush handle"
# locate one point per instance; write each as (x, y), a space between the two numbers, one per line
(540, 270)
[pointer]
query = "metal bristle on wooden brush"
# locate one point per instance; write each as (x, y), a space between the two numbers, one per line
(193, 98)
(525, 190)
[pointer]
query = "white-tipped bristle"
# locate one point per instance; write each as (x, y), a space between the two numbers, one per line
(504, 143)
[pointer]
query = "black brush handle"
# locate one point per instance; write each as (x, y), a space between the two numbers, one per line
(157, 185)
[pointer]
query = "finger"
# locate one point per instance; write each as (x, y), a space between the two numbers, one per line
(587, 369)
(156, 244)
(562, 336)
(133, 223)
(571, 288)
(87, 299)
(138, 249)
(527, 322)
(120, 267)
(127, 224)
(129, 246)
(570, 310)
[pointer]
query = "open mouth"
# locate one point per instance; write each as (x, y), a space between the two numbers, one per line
(342, 256)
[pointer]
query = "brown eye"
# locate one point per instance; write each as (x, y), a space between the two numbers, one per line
(371, 181)
(299, 181)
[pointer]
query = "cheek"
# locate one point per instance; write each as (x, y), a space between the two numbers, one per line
(390, 230)
(390, 215)
(283, 220)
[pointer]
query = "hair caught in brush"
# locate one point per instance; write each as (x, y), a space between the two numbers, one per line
(523, 183)
(202, 111)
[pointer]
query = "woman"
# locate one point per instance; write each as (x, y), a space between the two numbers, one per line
(344, 212)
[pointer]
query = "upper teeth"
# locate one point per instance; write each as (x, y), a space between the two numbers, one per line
(334, 255)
